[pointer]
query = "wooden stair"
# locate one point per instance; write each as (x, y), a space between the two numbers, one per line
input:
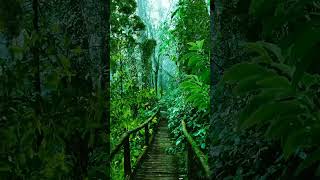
(158, 164)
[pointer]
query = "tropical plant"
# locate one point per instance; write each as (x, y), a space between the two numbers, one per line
(270, 95)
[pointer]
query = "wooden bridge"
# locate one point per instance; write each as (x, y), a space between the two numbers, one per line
(154, 162)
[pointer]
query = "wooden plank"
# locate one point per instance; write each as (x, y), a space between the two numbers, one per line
(144, 152)
(158, 164)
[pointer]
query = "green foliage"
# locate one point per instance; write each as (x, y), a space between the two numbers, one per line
(187, 45)
(179, 109)
(11, 17)
(196, 87)
(272, 93)
(147, 48)
(58, 136)
(190, 102)
(197, 61)
(196, 92)
(191, 20)
(132, 98)
(289, 110)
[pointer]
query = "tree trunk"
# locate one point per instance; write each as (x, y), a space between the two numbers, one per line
(105, 80)
(157, 65)
(97, 23)
(37, 80)
(212, 65)
(134, 73)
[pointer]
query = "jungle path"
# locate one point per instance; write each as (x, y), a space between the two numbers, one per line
(158, 164)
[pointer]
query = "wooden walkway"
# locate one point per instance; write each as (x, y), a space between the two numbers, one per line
(158, 164)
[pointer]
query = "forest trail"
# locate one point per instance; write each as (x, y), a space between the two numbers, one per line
(159, 164)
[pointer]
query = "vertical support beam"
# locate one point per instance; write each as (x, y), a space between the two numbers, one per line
(146, 132)
(190, 162)
(127, 162)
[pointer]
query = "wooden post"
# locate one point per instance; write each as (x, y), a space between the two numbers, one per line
(190, 161)
(127, 162)
(146, 131)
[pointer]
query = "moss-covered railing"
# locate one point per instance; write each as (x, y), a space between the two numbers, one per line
(194, 152)
(125, 142)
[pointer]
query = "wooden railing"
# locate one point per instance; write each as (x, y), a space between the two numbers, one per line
(125, 142)
(194, 152)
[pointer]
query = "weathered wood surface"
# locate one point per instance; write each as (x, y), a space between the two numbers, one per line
(126, 135)
(159, 164)
(194, 150)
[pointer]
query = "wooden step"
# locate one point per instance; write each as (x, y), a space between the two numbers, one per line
(158, 164)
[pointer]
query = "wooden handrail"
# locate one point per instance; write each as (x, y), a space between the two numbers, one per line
(125, 142)
(127, 134)
(198, 153)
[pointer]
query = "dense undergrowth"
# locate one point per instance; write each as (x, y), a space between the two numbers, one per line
(51, 103)
(266, 116)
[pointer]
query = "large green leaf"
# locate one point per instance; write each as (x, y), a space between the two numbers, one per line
(296, 139)
(265, 96)
(281, 126)
(274, 82)
(205, 76)
(244, 70)
(269, 111)
(276, 50)
(196, 46)
(283, 69)
(258, 48)
(246, 85)
(260, 81)
(194, 60)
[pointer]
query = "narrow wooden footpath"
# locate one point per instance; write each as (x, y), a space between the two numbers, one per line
(158, 164)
